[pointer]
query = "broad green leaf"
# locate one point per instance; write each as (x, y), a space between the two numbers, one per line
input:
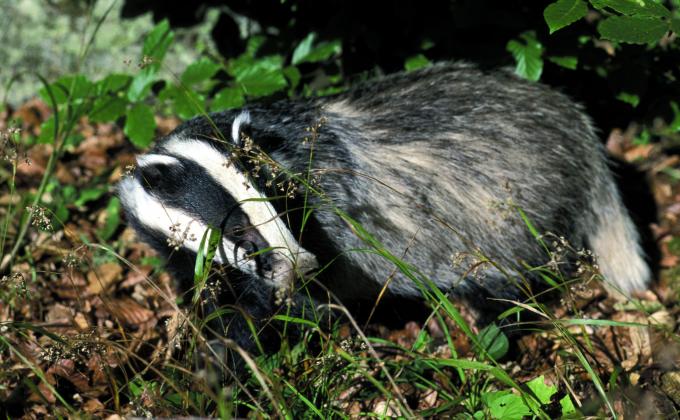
(89, 194)
(253, 45)
(675, 25)
(199, 71)
(156, 45)
(244, 64)
(69, 87)
(112, 220)
(158, 41)
(303, 49)
(186, 103)
(227, 98)
(293, 75)
(141, 83)
(262, 78)
(541, 390)
(568, 62)
(632, 29)
(529, 63)
(416, 62)
(140, 125)
(633, 7)
(46, 135)
(629, 98)
(494, 341)
(108, 109)
(505, 405)
(563, 13)
(567, 406)
(324, 51)
(112, 83)
(306, 52)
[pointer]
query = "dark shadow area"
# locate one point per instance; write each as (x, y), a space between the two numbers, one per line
(639, 201)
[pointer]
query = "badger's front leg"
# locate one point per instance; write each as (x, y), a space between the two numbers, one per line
(240, 321)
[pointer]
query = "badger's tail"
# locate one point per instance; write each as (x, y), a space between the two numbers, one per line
(616, 242)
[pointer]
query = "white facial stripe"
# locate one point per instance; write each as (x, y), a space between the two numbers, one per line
(261, 213)
(242, 118)
(159, 218)
(152, 159)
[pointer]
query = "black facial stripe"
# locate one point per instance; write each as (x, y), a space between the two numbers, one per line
(189, 187)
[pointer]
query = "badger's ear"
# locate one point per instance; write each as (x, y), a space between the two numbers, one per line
(240, 127)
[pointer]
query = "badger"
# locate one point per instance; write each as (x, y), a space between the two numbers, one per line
(423, 163)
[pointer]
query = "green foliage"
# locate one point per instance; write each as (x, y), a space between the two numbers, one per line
(508, 405)
(632, 29)
(528, 55)
(628, 21)
(563, 13)
(628, 98)
(140, 125)
(493, 341)
(416, 62)
(568, 62)
(309, 52)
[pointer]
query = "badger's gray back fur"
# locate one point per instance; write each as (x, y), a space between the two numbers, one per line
(427, 162)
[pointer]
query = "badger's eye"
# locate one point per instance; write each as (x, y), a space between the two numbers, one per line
(237, 230)
(152, 175)
(159, 172)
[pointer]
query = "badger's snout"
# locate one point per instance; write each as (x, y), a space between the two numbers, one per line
(287, 266)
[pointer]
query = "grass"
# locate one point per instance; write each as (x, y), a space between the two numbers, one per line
(91, 325)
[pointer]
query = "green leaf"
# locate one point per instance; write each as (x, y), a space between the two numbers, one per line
(527, 56)
(141, 83)
(46, 135)
(204, 258)
(140, 125)
(253, 45)
(89, 194)
(567, 406)
(568, 62)
(505, 405)
(494, 341)
(416, 62)
(633, 7)
(263, 77)
(675, 25)
(227, 98)
(303, 49)
(186, 103)
(674, 126)
(112, 83)
(158, 41)
(199, 71)
(632, 29)
(293, 75)
(629, 98)
(541, 390)
(306, 52)
(69, 87)
(112, 220)
(563, 13)
(108, 108)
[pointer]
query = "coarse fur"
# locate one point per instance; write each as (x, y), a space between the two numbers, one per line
(433, 163)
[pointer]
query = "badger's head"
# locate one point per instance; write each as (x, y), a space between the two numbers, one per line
(187, 184)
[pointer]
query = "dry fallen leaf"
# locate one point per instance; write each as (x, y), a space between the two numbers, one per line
(103, 277)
